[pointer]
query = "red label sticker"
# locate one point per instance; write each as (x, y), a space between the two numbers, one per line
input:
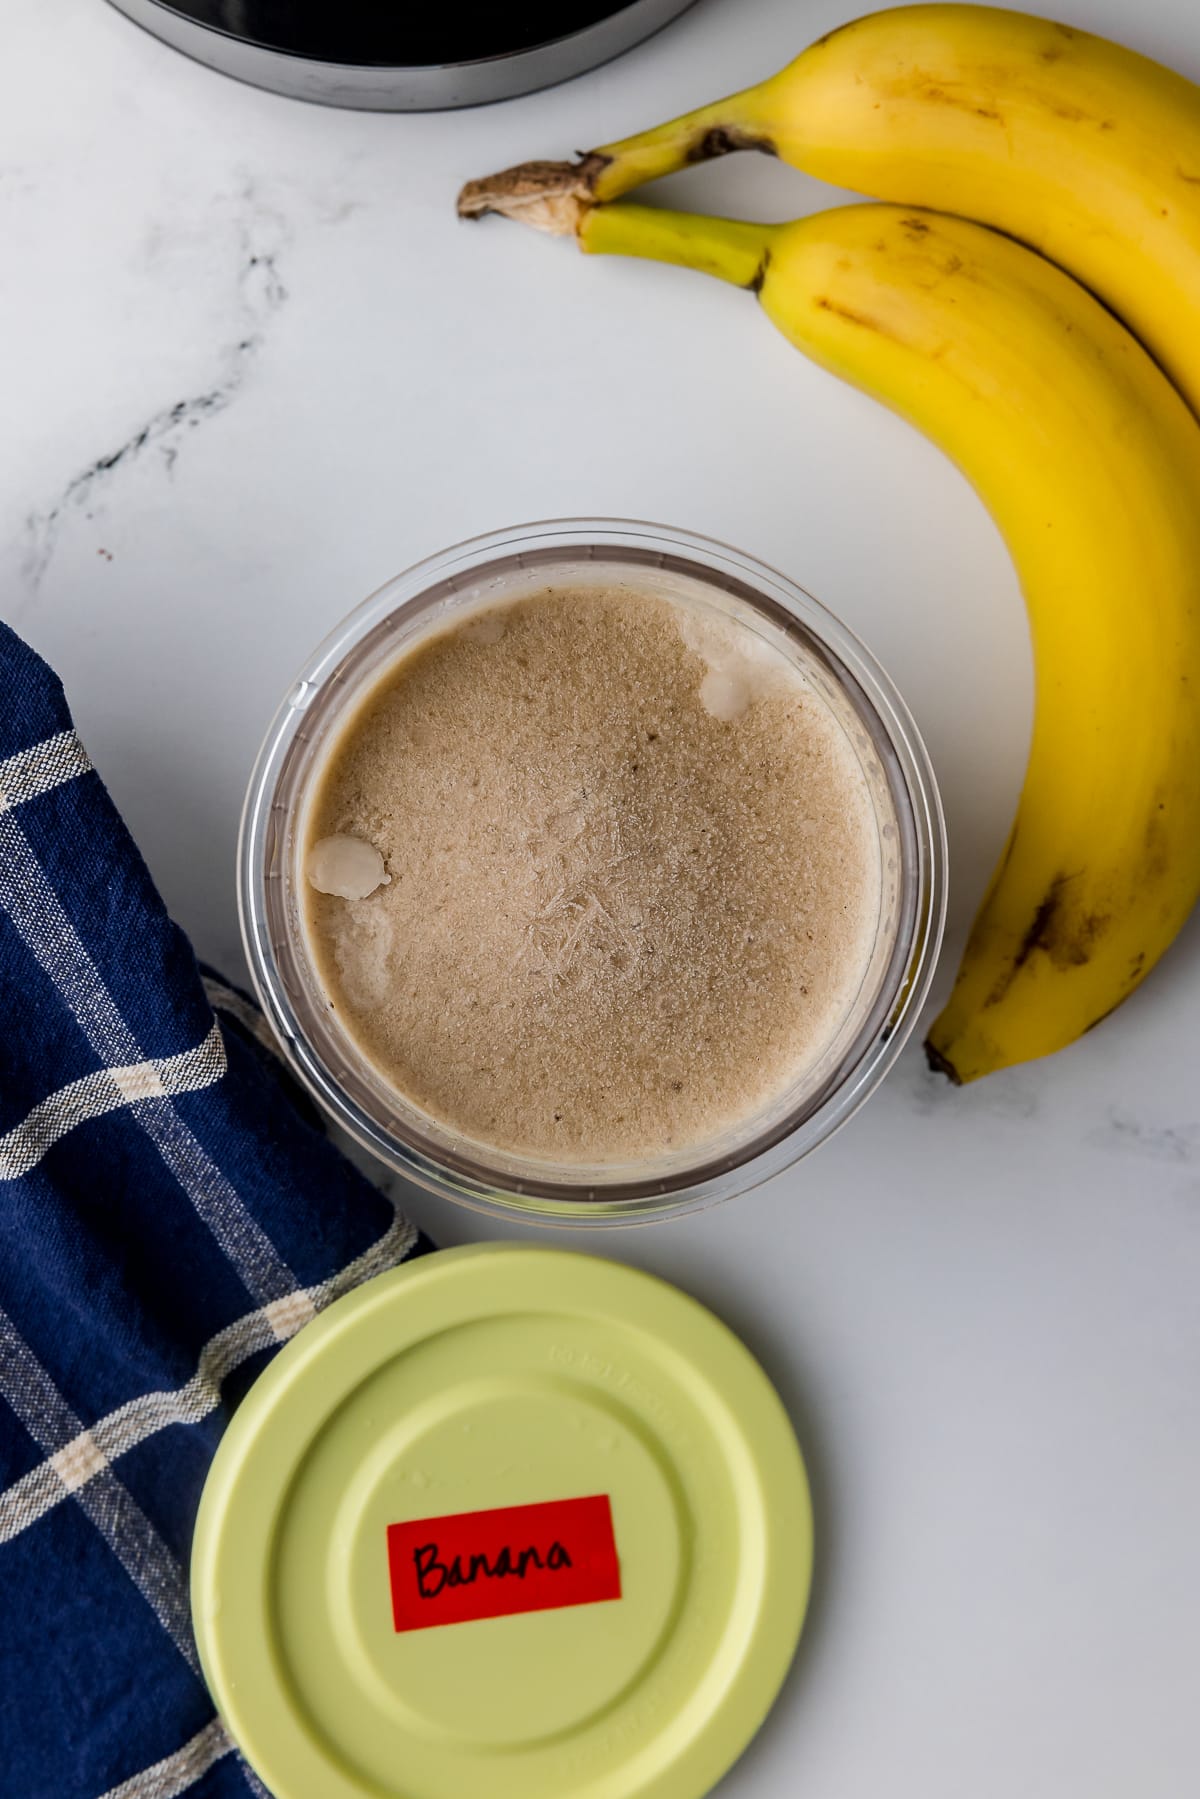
(517, 1558)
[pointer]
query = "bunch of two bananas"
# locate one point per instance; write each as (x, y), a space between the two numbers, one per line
(1076, 421)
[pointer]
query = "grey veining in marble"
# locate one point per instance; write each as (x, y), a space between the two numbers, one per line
(256, 293)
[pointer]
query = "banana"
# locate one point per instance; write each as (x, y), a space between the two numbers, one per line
(1082, 149)
(1089, 462)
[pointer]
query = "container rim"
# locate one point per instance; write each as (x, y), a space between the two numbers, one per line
(483, 1183)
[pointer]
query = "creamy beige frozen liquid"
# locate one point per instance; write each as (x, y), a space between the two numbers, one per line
(593, 876)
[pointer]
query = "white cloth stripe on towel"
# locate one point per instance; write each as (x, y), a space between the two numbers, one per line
(78, 1455)
(107, 1090)
(38, 914)
(224, 999)
(175, 1773)
(36, 770)
(260, 1267)
(85, 1473)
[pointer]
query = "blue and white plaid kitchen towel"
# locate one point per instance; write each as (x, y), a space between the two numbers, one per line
(171, 1214)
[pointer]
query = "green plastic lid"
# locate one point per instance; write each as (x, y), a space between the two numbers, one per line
(508, 1522)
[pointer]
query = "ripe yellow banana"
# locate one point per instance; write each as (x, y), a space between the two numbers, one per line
(1090, 464)
(1074, 145)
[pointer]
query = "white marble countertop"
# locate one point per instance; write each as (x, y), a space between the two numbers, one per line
(253, 366)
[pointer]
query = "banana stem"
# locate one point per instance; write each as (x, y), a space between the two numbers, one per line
(556, 196)
(727, 248)
(716, 130)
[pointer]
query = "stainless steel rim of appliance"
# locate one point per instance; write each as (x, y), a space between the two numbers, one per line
(427, 88)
